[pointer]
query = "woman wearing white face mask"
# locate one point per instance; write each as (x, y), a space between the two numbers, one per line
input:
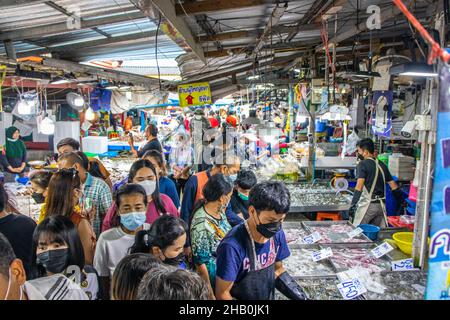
(113, 245)
(144, 173)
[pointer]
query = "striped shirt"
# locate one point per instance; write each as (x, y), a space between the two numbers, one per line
(98, 191)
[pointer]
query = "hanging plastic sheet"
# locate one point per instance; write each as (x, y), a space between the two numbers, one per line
(119, 102)
(382, 116)
(438, 286)
(101, 99)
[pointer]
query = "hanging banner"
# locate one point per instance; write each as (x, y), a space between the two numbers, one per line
(194, 94)
(438, 286)
(382, 113)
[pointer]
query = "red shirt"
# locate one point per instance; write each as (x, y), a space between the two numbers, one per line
(213, 121)
(186, 124)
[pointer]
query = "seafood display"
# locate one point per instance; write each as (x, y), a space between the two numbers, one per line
(318, 187)
(347, 258)
(319, 201)
(321, 289)
(294, 235)
(337, 233)
(301, 264)
(404, 285)
(118, 168)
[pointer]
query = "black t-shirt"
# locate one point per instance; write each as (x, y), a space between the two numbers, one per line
(366, 170)
(18, 229)
(151, 145)
(238, 205)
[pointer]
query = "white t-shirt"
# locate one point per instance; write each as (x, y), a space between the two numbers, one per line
(112, 246)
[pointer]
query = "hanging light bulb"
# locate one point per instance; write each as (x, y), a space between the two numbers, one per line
(23, 107)
(90, 114)
(47, 126)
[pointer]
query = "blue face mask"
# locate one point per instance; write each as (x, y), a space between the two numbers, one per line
(232, 178)
(133, 220)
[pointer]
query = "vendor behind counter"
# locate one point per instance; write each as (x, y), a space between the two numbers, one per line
(14, 155)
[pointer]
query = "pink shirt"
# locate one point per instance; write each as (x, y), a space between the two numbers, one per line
(152, 213)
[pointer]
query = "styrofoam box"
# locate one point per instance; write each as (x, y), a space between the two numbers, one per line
(96, 145)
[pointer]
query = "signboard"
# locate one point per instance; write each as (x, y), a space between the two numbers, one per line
(382, 113)
(194, 94)
(438, 286)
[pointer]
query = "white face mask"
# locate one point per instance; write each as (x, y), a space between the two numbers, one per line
(198, 117)
(149, 186)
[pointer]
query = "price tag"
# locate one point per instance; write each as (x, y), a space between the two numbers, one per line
(382, 249)
(351, 289)
(312, 238)
(402, 265)
(322, 254)
(355, 232)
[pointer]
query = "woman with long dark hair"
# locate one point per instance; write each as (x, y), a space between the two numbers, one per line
(209, 225)
(142, 172)
(165, 240)
(166, 186)
(57, 248)
(63, 197)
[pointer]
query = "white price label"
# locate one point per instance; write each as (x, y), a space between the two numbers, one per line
(322, 254)
(382, 249)
(351, 289)
(355, 232)
(312, 238)
(402, 265)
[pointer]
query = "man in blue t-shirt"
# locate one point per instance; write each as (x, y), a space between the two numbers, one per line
(249, 258)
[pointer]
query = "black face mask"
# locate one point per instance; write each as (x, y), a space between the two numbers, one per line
(268, 230)
(54, 261)
(360, 157)
(38, 197)
(176, 261)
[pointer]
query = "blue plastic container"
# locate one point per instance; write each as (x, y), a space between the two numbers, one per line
(23, 180)
(370, 231)
(321, 126)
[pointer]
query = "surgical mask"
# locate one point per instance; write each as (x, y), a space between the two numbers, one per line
(9, 287)
(38, 197)
(133, 220)
(268, 230)
(243, 196)
(149, 186)
(232, 178)
(54, 261)
(198, 117)
(176, 261)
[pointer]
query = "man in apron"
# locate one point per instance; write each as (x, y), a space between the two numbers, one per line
(249, 258)
(368, 203)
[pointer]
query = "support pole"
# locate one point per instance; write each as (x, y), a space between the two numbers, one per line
(10, 50)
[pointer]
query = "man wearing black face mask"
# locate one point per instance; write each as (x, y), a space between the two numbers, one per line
(368, 203)
(249, 258)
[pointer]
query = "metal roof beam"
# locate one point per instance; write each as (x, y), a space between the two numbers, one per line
(208, 6)
(93, 43)
(307, 17)
(274, 18)
(65, 12)
(385, 15)
(57, 28)
(167, 9)
(14, 3)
